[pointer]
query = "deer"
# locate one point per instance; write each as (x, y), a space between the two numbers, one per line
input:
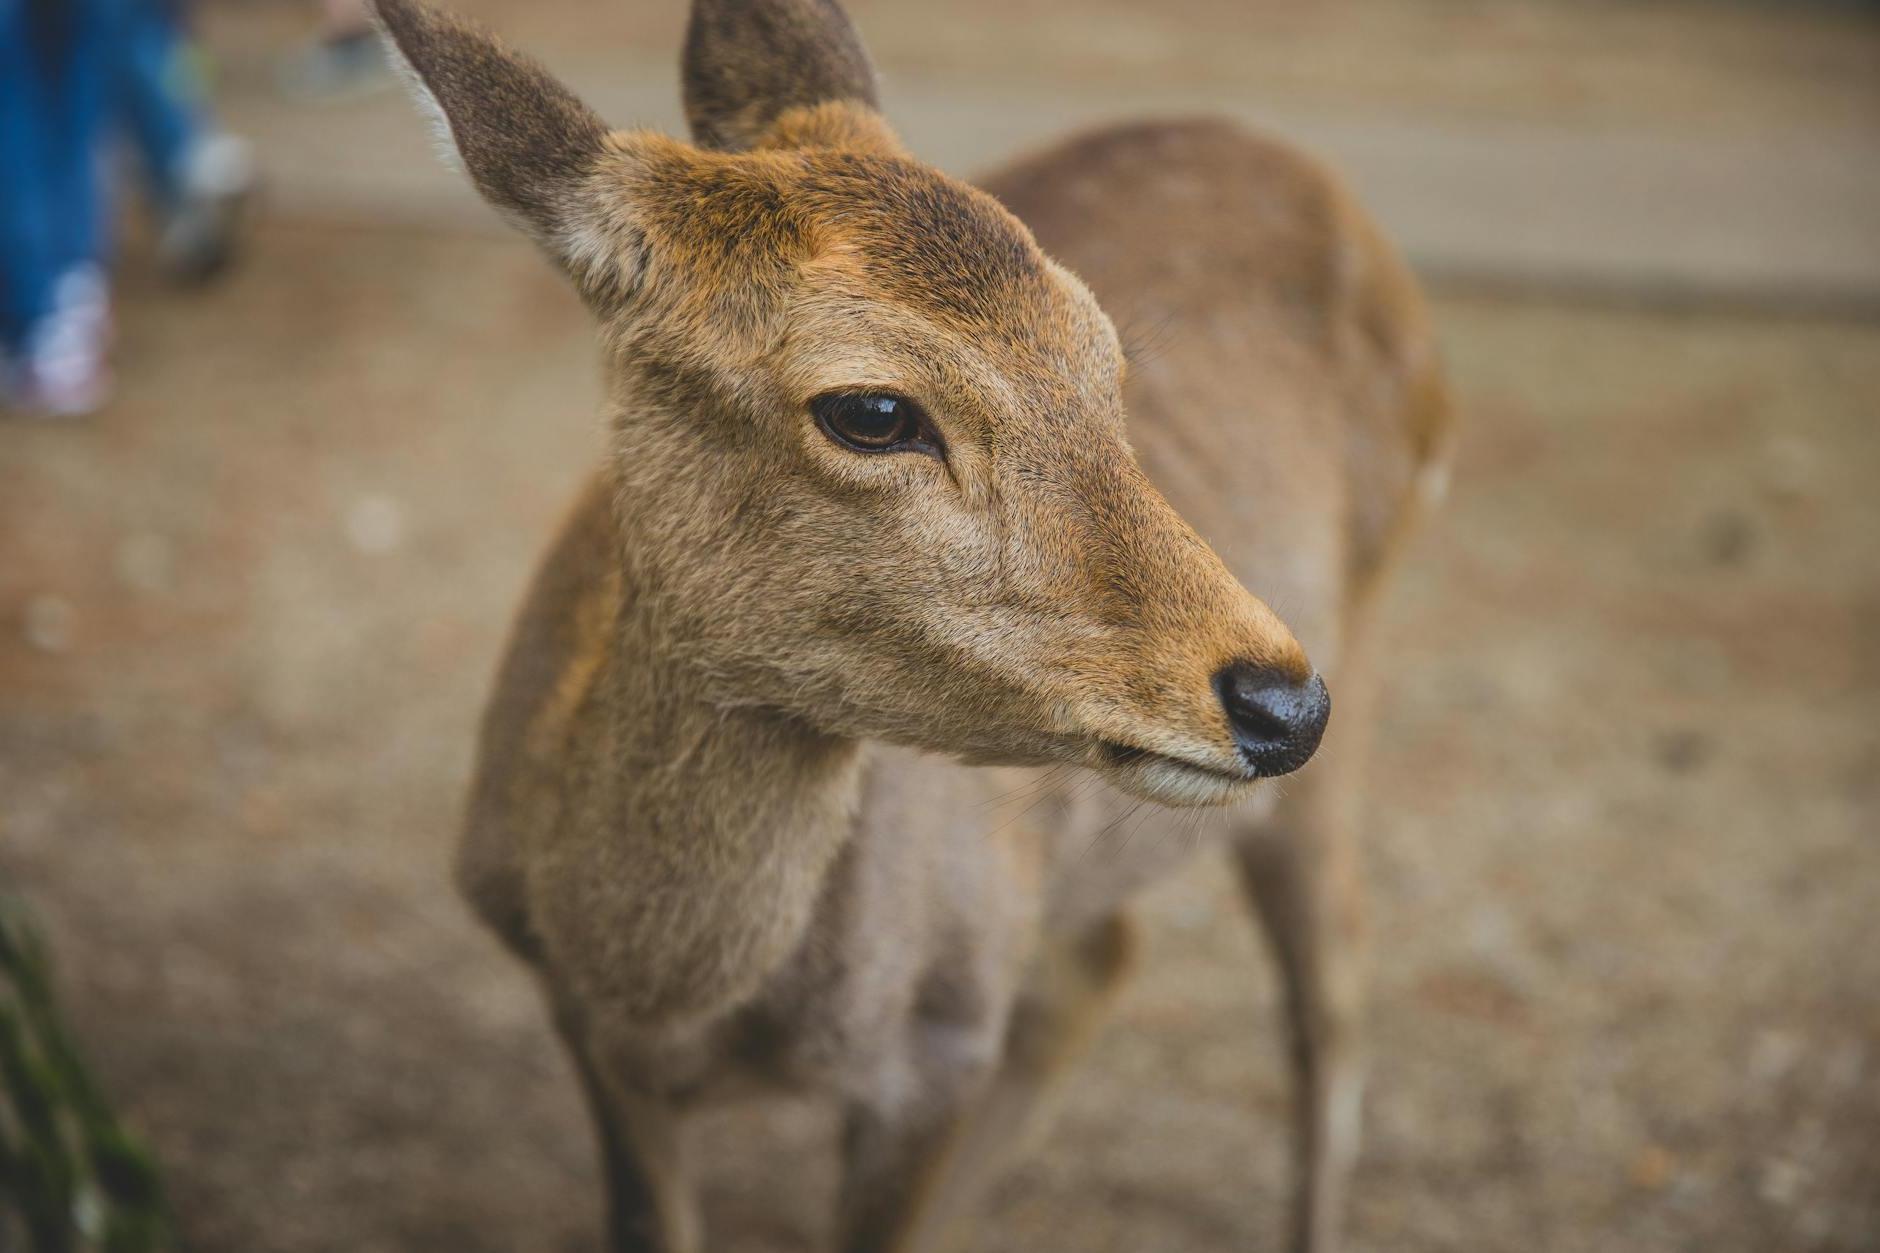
(886, 519)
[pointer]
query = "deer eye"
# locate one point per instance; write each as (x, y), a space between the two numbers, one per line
(875, 422)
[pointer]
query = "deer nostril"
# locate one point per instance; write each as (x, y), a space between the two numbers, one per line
(1277, 721)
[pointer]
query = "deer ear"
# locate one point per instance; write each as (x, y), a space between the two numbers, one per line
(528, 143)
(750, 62)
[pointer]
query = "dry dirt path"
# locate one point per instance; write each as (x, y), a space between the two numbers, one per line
(1622, 831)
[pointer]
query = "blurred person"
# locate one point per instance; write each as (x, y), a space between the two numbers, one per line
(54, 95)
(198, 177)
(72, 72)
(345, 59)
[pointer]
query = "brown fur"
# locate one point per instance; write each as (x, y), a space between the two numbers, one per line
(745, 64)
(717, 806)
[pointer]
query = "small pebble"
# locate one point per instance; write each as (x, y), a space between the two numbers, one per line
(1729, 536)
(1684, 750)
(48, 623)
(1653, 1167)
(1781, 1182)
(375, 524)
(1789, 467)
(1194, 916)
(1774, 1054)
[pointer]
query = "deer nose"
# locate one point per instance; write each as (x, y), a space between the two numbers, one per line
(1277, 720)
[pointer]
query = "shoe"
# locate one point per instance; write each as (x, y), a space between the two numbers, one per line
(338, 67)
(198, 235)
(61, 370)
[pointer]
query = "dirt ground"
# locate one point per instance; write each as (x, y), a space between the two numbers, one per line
(1622, 830)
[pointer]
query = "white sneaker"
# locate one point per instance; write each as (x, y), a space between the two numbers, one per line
(198, 236)
(61, 371)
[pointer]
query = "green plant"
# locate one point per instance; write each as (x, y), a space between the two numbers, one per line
(72, 1180)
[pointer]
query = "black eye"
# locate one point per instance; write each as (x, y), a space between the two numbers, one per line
(874, 422)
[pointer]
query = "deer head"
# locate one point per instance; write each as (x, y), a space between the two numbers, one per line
(867, 439)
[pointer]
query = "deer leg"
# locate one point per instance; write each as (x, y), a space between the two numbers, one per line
(908, 1190)
(1310, 923)
(889, 1163)
(650, 1204)
(1302, 873)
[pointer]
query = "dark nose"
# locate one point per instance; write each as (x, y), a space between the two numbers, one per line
(1277, 720)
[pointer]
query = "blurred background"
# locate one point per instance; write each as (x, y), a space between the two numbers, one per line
(1624, 829)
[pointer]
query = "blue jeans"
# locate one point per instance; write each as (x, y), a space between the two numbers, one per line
(54, 87)
(157, 92)
(71, 73)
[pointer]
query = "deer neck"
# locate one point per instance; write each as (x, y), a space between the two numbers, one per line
(729, 818)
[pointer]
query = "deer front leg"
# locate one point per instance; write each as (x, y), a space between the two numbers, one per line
(1302, 872)
(891, 1159)
(912, 1182)
(651, 1207)
(1308, 905)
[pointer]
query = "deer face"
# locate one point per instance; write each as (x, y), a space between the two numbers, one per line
(868, 439)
